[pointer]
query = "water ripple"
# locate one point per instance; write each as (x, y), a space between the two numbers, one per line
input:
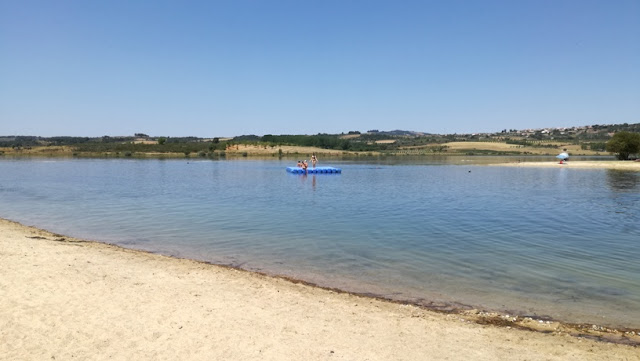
(554, 241)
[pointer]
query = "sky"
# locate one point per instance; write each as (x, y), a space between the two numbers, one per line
(226, 68)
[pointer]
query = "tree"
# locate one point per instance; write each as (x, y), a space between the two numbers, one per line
(624, 144)
(162, 140)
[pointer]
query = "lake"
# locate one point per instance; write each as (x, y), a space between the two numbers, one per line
(556, 242)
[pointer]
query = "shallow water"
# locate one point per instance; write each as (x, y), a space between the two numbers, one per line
(552, 242)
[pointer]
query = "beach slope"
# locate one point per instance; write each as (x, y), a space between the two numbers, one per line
(62, 298)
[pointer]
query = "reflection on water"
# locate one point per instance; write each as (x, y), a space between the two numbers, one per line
(559, 242)
(623, 181)
(625, 194)
(304, 178)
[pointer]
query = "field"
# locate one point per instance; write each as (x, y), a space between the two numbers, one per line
(262, 150)
(233, 150)
(501, 147)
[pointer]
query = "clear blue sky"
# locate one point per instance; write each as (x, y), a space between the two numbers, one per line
(225, 68)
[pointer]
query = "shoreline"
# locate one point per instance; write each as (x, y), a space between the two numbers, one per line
(627, 165)
(54, 284)
(465, 149)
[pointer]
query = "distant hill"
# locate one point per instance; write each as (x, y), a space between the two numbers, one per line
(587, 138)
(402, 133)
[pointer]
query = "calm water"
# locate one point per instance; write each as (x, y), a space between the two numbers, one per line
(552, 242)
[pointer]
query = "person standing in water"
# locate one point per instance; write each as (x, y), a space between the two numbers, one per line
(314, 160)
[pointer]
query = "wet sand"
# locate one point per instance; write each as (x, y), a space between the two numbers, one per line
(63, 298)
(613, 164)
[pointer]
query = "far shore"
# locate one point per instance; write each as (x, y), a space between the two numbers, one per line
(271, 151)
(613, 164)
(64, 298)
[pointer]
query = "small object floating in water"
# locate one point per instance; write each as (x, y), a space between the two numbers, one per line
(298, 170)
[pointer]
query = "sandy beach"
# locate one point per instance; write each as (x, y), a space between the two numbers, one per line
(63, 298)
(613, 164)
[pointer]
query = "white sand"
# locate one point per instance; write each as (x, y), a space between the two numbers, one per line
(613, 164)
(63, 298)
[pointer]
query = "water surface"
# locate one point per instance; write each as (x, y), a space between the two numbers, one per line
(552, 242)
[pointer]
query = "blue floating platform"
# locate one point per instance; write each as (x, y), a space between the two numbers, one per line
(298, 170)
